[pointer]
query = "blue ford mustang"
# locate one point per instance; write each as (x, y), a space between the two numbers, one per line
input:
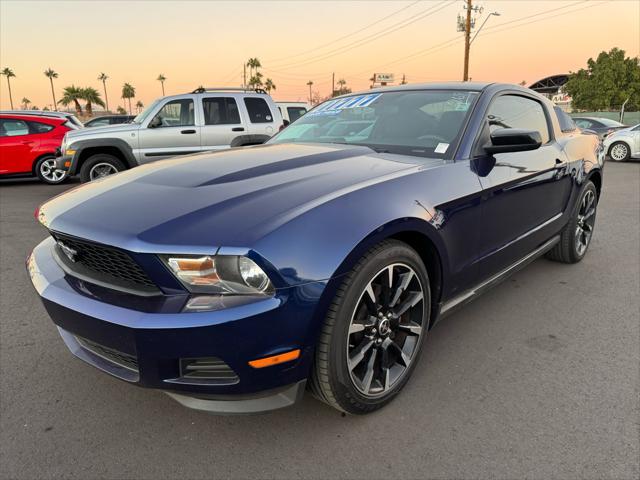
(233, 279)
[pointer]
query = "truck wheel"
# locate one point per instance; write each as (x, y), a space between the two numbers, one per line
(100, 165)
(576, 236)
(620, 152)
(47, 171)
(373, 332)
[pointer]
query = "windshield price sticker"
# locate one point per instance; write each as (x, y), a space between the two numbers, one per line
(334, 107)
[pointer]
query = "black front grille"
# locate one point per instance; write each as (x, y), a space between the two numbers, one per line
(121, 359)
(110, 264)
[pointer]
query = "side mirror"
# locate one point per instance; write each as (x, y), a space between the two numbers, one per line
(506, 140)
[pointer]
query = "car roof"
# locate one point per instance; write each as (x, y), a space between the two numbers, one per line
(53, 119)
(40, 113)
(474, 86)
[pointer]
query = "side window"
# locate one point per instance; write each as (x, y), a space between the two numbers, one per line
(13, 128)
(512, 111)
(583, 123)
(100, 122)
(566, 122)
(295, 112)
(37, 127)
(220, 111)
(176, 113)
(258, 110)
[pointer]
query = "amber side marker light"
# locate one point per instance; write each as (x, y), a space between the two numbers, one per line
(275, 359)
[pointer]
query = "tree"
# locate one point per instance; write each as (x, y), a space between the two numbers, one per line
(71, 95)
(91, 96)
(25, 103)
(309, 84)
(121, 111)
(103, 78)
(342, 88)
(161, 78)
(256, 80)
(253, 64)
(50, 74)
(139, 106)
(128, 92)
(269, 85)
(606, 83)
(7, 72)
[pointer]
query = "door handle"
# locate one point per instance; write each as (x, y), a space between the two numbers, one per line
(187, 132)
(237, 129)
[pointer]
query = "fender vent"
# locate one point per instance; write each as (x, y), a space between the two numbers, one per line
(206, 371)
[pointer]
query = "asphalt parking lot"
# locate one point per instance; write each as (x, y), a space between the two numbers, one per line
(539, 378)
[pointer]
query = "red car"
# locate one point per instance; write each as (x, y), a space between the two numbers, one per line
(28, 143)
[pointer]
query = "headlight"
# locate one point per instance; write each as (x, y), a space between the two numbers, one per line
(222, 275)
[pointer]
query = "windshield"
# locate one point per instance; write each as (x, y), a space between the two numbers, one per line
(421, 123)
(145, 113)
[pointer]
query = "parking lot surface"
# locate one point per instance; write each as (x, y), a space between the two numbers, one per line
(538, 378)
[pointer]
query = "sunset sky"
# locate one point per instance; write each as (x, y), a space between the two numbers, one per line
(206, 42)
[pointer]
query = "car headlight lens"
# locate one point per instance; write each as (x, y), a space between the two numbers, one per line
(223, 274)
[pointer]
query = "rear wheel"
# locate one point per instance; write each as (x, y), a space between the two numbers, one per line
(576, 236)
(620, 152)
(100, 165)
(48, 172)
(374, 330)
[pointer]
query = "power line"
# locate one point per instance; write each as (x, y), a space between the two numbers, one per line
(348, 35)
(389, 30)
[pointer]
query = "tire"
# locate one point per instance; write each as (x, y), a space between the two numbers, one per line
(100, 162)
(619, 152)
(344, 375)
(45, 170)
(572, 247)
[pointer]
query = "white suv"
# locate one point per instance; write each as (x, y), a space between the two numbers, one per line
(205, 119)
(291, 111)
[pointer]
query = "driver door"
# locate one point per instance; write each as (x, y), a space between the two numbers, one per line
(172, 131)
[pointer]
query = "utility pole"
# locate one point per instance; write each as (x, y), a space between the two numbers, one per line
(244, 75)
(333, 84)
(467, 41)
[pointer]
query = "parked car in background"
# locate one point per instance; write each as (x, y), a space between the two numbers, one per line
(105, 120)
(291, 111)
(28, 143)
(623, 144)
(602, 126)
(205, 119)
(74, 123)
(233, 279)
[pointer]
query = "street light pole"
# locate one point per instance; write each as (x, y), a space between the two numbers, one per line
(485, 21)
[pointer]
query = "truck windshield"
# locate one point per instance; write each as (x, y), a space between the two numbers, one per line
(420, 123)
(145, 113)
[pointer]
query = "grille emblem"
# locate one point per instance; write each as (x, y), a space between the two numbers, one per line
(71, 253)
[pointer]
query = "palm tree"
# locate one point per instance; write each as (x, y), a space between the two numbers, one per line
(103, 78)
(121, 111)
(71, 95)
(161, 78)
(91, 96)
(269, 85)
(128, 92)
(49, 73)
(309, 83)
(7, 72)
(25, 103)
(139, 106)
(256, 80)
(253, 63)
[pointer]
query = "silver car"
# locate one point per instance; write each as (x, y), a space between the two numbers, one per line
(203, 120)
(623, 144)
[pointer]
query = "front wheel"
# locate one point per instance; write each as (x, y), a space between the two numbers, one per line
(620, 152)
(576, 236)
(48, 172)
(374, 330)
(100, 165)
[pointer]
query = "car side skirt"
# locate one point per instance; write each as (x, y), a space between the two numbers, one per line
(458, 301)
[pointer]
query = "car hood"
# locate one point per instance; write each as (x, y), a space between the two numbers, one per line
(230, 198)
(106, 129)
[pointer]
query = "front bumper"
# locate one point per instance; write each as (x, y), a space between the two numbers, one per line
(65, 163)
(159, 340)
